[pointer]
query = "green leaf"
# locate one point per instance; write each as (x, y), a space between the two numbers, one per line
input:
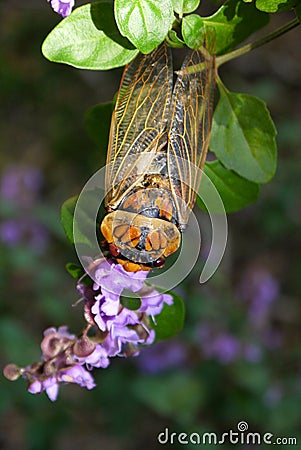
(173, 40)
(298, 11)
(193, 30)
(144, 22)
(171, 319)
(97, 124)
(271, 6)
(67, 213)
(234, 22)
(236, 192)
(243, 136)
(85, 220)
(178, 395)
(253, 377)
(89, 39)
(130, 300)
(75, 270)
(86, 223)
(185, 6)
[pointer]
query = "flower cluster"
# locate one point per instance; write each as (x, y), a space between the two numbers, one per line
(223, 346)
(116, 325)
(20, 188)
(259, 289)
(58, 364)
(122, 327)
(163, 356)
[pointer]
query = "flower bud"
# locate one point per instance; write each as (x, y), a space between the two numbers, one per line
(12, 372)
(50, 346)
(83, 347)
(131, 350)
(49, 368)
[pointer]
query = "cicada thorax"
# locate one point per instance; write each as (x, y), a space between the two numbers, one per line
(143, 230)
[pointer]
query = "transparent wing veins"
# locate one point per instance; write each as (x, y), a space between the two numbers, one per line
(139, 120)
(189, 133)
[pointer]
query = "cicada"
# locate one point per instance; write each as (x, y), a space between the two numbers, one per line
(159, 132)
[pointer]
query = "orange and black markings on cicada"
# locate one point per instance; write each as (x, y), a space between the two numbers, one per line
(158, 134)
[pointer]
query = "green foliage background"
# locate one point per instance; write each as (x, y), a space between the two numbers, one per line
(42, 107)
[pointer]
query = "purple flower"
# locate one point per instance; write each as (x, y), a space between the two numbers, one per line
(118, 331)
(153, 304)
(50, 385)
(108, 313)
(162, 356)
(225, 348)
(113, 279)
(63, 356)
(252, 353)
(75, 374)
(222, 346)
(10, 232)
(98, 358)
(123, 329)
(35, 236)
(62, 7)
(25, 231)
(116, 340)
(20, 184)
(112, 330)
(120, 334)
(260, 289)
(62, 332)
(104, 310)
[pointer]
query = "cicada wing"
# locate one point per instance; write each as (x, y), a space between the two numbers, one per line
(139, 121)
(189, 134)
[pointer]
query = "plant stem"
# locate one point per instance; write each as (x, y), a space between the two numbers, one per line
(248, 47)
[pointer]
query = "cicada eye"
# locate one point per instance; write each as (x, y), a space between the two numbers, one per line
(114, 250)
(159, 262)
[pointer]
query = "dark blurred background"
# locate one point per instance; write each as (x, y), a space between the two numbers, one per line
(239, 356)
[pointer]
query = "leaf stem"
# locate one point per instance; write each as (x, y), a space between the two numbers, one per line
(248, 47)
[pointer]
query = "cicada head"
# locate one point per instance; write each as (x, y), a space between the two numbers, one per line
(142, 241)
